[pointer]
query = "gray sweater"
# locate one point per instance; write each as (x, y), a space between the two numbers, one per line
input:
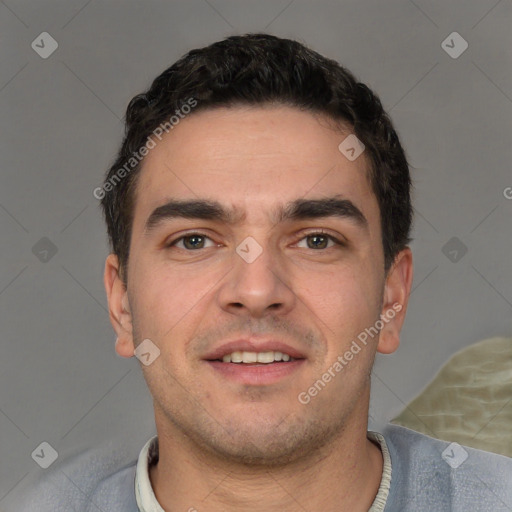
(427, 475)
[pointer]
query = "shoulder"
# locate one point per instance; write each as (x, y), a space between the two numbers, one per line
(90, 481)
(115, 493)
(427, 472)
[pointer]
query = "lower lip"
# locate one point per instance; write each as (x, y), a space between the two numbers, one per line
(258, 374)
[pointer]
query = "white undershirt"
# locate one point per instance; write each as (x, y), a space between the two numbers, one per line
(147, 502)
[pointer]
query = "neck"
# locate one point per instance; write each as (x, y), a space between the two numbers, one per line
(344, 476)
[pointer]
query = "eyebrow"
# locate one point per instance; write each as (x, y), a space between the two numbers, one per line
(300, 209)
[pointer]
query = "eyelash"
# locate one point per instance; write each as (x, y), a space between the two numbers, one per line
(204, 235)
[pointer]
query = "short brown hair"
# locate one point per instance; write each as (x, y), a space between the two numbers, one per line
(257, 69)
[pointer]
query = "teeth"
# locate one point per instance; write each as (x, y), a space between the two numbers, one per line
(236, 357)
(249, 357)
(265, 357)
(255, 357)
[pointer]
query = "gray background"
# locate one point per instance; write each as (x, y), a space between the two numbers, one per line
(60, 379)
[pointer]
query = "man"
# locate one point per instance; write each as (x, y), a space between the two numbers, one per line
(259, 213)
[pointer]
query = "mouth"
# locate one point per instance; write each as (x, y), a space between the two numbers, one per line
(237, 362)
(246, 357)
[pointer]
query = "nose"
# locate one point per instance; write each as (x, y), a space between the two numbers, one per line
(257, 288)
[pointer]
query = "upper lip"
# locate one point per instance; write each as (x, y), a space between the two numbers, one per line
(249, 345)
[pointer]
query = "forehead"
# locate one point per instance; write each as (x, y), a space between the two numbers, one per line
(252, 157)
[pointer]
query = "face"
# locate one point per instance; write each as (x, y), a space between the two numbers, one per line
(253, 235)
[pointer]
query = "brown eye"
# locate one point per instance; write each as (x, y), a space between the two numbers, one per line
(193, 242)
(318, 241)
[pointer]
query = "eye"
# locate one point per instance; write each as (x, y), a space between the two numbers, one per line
(318, 241)
(193, 242)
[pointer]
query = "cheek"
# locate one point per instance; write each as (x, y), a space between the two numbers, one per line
(171, 304)
(345, 300)
(161, 302)
(332, 287)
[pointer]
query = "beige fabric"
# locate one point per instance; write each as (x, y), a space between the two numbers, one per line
(470, 399)
(379, 503)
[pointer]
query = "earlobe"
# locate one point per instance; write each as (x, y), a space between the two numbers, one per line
(119, 307)
(396, 297)
(124, 347)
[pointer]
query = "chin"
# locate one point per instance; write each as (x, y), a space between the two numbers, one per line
(271, 445)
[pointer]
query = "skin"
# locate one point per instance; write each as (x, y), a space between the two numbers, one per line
(225, 445)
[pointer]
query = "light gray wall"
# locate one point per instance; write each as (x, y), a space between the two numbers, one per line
(60, 380)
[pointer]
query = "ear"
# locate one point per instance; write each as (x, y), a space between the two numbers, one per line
(119, 307)
(396, 297)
